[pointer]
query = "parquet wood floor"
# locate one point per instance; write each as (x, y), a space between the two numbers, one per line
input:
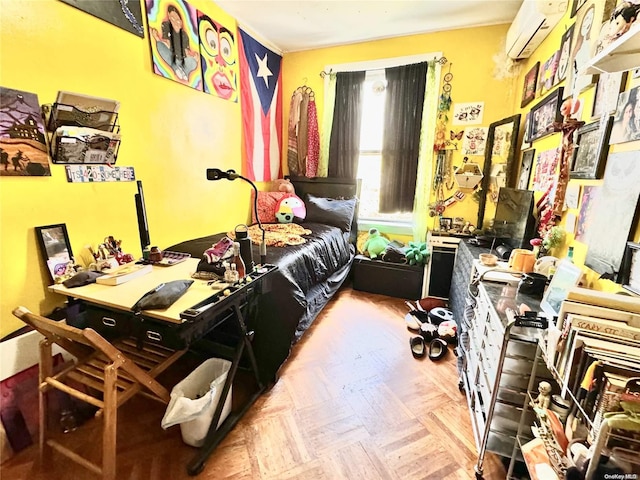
(351, 403)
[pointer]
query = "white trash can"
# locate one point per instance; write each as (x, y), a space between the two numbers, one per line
(194, 400)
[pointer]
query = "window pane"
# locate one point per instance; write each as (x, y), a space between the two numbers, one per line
(369, 164)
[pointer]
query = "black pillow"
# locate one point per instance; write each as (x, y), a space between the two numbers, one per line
(163, 296)
(330, 211)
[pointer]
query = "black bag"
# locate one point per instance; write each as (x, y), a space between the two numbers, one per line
(163, 296)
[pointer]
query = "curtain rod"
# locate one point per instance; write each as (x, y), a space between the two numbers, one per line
(442, 61)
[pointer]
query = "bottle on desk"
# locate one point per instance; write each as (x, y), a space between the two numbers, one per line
(237, 260)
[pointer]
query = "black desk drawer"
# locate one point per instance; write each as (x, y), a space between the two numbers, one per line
(113, 324)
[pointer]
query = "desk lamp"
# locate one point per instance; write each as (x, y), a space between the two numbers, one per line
(217, 174)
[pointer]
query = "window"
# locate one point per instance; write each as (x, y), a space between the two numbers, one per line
(369, 163)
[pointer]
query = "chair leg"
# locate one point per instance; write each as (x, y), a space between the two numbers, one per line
(109, 419)
(45, 370)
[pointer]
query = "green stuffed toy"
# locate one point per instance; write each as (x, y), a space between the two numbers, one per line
(375, 244)
(417, 253)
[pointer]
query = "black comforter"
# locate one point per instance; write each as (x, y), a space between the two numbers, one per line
(307, 277)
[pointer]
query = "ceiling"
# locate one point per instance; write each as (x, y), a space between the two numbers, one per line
(293, 25)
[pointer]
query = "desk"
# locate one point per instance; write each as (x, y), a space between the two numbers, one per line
(113, 303)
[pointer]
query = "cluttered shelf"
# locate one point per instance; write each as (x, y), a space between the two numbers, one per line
(597, 379)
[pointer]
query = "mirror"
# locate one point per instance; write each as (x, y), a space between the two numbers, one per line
(55, 249)
(499, 171)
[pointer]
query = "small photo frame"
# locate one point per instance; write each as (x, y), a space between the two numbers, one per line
(592, 148)
(545, 114)
(564, 58)
(530, 84)
(630, 268)
(445, 224)
(525, 168)
(55, 249)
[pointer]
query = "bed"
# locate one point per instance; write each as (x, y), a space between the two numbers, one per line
(308, 274)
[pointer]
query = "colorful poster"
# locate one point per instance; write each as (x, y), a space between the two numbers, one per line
(23, 145)
(261, 99)
(173, 35)
(546, 173)
(219, 55)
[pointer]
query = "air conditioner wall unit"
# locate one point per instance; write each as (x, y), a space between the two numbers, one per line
(533, 22)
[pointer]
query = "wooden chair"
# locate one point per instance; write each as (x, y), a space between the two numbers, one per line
(113, 373)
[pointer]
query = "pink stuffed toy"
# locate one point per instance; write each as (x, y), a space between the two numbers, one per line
(283, 185)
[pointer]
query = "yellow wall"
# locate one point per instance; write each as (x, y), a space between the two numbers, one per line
(550, 45)
(170, 134)
(476, 77)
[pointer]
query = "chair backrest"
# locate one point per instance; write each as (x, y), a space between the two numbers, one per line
(70, 338)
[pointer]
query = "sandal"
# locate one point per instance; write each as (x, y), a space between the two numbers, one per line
(418, 348)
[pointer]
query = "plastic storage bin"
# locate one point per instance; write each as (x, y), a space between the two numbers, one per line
(194, 400)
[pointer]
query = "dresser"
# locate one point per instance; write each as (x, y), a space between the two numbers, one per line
(495, 357)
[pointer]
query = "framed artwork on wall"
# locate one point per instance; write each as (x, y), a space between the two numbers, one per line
(545, 114)
(626, 125)
(630, 268)
(565, 54)
(530, 83)
(525, 168)
(612, 215)
(548, 74)
(575, 6)
(608, 88)
(592, 148)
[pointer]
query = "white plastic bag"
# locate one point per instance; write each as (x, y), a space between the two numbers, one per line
(194, 400)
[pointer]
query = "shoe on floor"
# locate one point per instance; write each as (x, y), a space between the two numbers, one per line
(448, 332)
(418, 348)
(437, 349)
(428, 331)
(414, 319)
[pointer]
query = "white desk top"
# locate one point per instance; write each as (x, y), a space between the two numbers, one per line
(124, 296)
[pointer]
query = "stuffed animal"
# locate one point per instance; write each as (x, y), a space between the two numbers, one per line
(375, 244)
(289, 207)
(417, 253)
(283, 185)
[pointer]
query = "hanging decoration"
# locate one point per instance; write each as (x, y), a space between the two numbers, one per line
(444, 105)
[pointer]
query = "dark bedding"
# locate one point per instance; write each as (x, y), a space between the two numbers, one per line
(307, 277)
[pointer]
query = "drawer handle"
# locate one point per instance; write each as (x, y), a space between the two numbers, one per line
(108, 322)
(155, 336)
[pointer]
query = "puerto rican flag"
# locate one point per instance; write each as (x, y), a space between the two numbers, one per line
(261, 99)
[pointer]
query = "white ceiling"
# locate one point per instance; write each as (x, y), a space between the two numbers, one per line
(293, 25)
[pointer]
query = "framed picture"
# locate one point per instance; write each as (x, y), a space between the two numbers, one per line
(530, 83)
(608, 88)
(612, 217)
(55, 249)
(630, 268)
(565, 55)
(575, 6)
(592, 148)
(548, 74)
(626, 125)
(525, 168)
(446, 223)
(545, 114)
